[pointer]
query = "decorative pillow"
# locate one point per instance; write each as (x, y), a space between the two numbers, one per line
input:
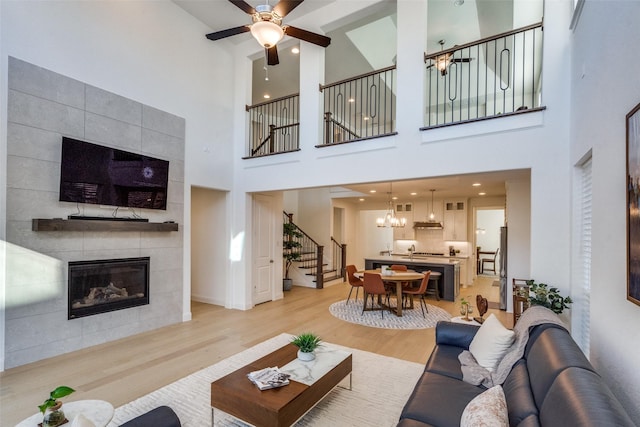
(488, 409)
(490, 343)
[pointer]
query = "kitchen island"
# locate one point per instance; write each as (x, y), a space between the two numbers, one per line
(449, 283)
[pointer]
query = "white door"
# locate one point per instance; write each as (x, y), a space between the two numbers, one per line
(263, 271)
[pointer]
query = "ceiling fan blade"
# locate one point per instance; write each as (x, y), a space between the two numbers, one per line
(307, 36)
(285, 6)
(228, 32)
(246, 7)
(272, 55)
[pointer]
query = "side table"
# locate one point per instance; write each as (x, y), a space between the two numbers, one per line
(99, 412)
(460, 319)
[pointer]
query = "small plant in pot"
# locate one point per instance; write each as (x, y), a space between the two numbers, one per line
(52, 407)
(306, 343)
(546, 296)
(290, 251)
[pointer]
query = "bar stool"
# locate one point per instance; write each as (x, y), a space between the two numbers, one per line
(432, 287)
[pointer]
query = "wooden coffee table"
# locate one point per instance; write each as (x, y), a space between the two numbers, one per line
(235, 395)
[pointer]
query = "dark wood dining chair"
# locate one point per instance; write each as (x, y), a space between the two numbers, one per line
(354, 281)
(490, 261)
(421, 291)
(374, 286)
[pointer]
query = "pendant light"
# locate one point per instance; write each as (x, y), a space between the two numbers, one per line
(432, 215)
(390, 219)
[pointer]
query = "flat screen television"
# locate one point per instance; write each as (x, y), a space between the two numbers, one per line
(95, 174)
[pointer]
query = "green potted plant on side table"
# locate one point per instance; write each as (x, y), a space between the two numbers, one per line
(546, 296)
(52, 408)
(306, 343)
(290, 251)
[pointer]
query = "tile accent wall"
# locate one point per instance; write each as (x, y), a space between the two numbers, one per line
(44, 106)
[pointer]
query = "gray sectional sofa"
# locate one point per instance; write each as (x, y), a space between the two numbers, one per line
(552, 385)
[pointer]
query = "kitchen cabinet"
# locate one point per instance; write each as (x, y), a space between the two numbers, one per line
(404, 210)
(455, 220)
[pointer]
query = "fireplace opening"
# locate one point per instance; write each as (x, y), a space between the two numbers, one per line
(100, 286)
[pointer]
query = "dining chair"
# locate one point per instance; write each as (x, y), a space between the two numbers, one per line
(399, 267)
(490, 261)
(409, 292)
(373, 285)
(354, 281)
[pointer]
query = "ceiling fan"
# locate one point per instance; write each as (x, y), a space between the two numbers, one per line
(441, 62)
(267, 27)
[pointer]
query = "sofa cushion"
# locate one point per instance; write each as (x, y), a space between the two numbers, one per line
(488, 409)
(162, 416)
(439, 400)
(578, 397)
(490, 343)
(517, 389)
(455, 334)
(552, 352)
(444, 361)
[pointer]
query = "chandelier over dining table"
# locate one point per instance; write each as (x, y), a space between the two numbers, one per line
(390, 219)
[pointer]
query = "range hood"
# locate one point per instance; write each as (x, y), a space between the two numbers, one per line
(427, 225)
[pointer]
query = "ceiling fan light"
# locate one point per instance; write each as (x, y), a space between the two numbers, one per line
(267, 33)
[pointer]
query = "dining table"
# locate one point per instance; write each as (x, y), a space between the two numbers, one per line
(398, 278)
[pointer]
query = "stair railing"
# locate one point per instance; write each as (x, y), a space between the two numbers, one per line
(361, 107)
(312, 253)
(339, 258)
(274, 126)
(492, 77)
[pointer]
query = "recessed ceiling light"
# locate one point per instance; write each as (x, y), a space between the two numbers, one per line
(361, 199)
(351, 100)
(366, 118)
(295, 50)
(482, 194)
(372, 191)
(476, 184)
(266, 96)
(414, 193)
(395, 197)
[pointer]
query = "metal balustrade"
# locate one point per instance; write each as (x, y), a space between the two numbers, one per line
(274, 126)
(359, 108)
(487, 78)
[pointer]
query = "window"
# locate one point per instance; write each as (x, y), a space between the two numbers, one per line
(582, 270)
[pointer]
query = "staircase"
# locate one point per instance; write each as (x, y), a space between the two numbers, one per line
(313, 261)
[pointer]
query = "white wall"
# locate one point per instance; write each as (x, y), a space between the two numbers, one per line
(148, 51)
(209, 253)
(601, 98)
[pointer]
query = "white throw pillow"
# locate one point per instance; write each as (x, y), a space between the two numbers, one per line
(488, 409)
(491, 343)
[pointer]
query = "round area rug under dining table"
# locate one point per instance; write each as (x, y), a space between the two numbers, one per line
(411, 318)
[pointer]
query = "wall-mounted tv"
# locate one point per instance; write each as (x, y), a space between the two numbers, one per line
(92, 173)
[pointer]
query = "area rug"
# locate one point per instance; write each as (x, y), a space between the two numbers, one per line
(411, 318)
(380, 387)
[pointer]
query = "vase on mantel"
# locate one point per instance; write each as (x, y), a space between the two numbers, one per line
(54, 416)
(305, 356)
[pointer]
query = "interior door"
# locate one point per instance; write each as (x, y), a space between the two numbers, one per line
(263, 246)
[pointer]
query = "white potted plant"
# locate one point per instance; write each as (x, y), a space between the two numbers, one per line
(306, 343)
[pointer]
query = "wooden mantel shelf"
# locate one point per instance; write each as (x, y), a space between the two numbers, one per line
(58, 224)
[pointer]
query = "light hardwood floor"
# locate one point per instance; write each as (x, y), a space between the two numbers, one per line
(123, 370)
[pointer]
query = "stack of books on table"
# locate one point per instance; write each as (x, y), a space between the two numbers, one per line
(268, 378)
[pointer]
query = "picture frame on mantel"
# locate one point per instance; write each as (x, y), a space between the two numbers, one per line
(633, 205)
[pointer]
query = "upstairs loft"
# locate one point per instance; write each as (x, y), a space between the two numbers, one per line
(495, 77)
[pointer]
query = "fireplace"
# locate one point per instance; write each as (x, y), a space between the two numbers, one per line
(100, 286)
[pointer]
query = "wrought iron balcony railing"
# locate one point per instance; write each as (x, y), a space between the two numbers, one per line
(274, 126)
(360, 108)
(494, 76)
